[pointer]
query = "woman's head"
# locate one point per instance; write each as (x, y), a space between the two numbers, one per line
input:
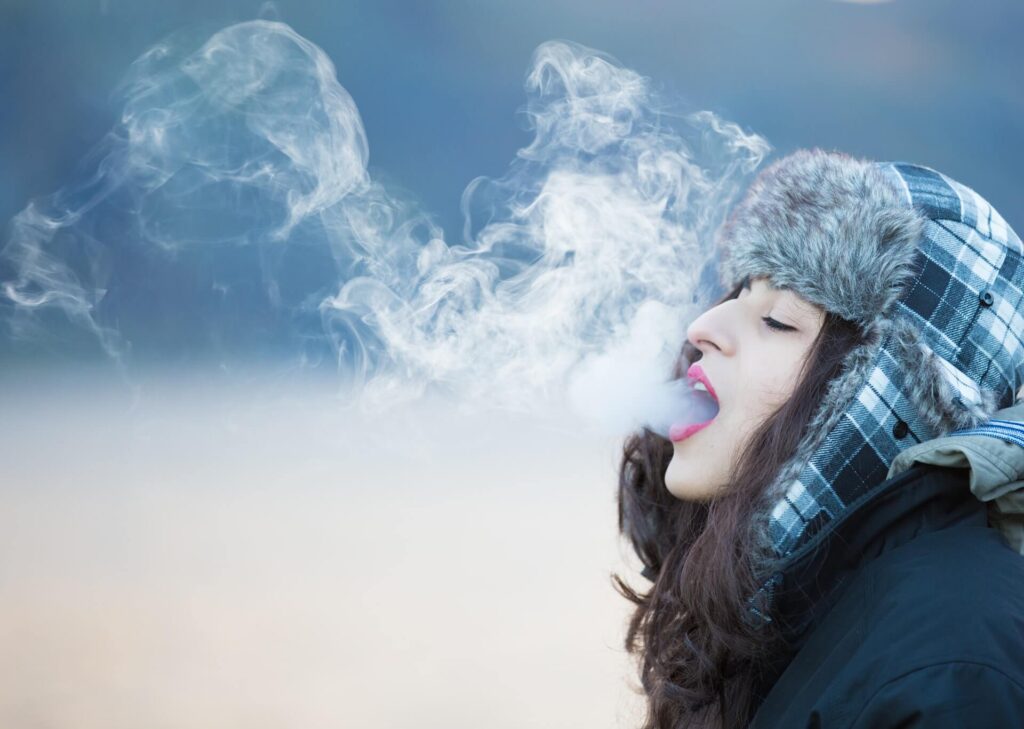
(911, 342)
(753, 350)
(689, 508)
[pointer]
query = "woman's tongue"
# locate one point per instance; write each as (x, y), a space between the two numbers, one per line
(701, 410)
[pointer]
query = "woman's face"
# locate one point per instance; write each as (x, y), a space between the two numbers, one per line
(753, 369)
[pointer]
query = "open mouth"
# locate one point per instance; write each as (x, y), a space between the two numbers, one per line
(701, 412)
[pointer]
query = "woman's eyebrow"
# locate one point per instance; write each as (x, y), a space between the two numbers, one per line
(803, 312)
(768, 283)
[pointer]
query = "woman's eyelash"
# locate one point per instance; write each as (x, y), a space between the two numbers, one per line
(772, 324)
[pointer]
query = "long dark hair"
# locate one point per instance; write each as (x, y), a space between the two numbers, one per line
(702, 662)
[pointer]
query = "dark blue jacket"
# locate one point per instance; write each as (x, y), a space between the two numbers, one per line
(911, 616)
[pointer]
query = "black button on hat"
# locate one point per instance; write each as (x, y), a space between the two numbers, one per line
(899, 430)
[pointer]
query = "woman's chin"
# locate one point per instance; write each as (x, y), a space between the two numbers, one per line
(683, 481)
(676, 480)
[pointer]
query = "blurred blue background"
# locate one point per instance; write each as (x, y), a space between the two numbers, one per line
(226, 556)
(438, 83)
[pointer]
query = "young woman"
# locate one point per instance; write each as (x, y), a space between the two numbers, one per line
(797, 580)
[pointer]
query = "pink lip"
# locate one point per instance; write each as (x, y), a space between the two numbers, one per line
(678, 432)
(696, 373)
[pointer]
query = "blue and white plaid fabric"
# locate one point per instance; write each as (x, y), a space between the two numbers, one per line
(967, 301)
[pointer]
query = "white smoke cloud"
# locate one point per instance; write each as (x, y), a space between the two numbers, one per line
(229, 217)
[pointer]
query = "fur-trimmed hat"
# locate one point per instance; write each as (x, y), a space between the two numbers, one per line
(933, 276)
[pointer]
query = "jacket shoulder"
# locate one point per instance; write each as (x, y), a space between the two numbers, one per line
(942, 635)
(935, 625)
(948, 694)
(948, 595)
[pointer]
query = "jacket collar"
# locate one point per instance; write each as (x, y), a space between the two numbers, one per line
(923, 498)
(967, 477)
(932, 485)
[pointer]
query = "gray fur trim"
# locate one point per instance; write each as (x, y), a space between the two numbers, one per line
(830, 227)
(935, 399)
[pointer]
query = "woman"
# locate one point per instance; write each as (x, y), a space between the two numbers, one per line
(800, 578)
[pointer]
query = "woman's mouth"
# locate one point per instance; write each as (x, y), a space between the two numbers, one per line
(684, 407)
(702, 407)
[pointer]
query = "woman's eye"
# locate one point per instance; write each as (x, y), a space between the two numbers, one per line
(772, 324)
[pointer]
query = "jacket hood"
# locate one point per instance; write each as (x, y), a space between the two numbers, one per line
(933, 277)
(993, 457)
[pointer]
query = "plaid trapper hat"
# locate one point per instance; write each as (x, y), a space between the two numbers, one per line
(934, 277)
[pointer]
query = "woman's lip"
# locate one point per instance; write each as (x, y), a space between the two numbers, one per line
(678, 433)
(696, 373)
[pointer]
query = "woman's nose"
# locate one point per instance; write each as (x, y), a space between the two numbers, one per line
(707, 331)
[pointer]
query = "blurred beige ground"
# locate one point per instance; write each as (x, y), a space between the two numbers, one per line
(209, 560)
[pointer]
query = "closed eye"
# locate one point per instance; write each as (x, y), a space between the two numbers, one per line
(772, 323)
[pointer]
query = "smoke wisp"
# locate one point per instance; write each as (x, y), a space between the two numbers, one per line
(229, 219)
